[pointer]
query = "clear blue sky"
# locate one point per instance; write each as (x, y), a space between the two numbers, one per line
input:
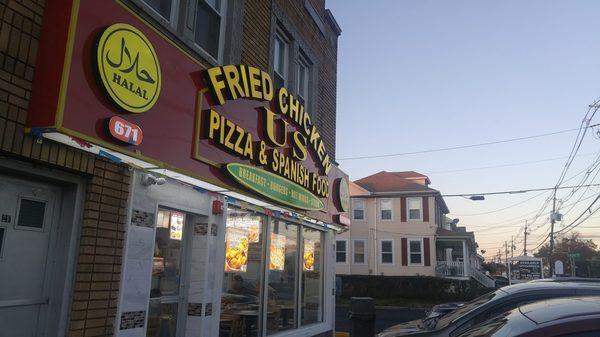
(417, 75)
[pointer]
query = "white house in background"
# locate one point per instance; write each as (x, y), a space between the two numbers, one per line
(400, 228)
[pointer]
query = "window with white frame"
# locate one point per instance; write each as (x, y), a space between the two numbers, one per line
(415, 208)
(387, 251)
(303, 79)
(281, 51)
(165, 8)
(200, 23)
(209, 26)
(358, 209)
(360, 251)
(340, 251)
(386, 209)
(415, 251)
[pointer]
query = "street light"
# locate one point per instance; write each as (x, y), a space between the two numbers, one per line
(477, 197)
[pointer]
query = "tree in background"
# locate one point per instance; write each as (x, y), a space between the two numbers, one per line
(572, 243)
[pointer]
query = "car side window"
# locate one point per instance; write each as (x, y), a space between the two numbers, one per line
(493, 312)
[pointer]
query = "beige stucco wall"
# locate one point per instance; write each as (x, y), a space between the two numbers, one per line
(373, 230)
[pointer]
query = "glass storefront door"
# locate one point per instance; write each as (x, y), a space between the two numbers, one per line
(166, 294)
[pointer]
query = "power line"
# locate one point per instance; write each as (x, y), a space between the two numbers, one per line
(503, 208)
(517, 191)
(464, 146)
(506, 165)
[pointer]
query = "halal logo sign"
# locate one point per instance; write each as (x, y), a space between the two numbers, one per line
(128, 68)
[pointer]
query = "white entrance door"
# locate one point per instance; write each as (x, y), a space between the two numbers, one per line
(29, 213)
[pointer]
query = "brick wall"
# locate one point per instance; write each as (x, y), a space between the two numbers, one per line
(256, 34)
(98, 273)
(324, 46)
(98, 270)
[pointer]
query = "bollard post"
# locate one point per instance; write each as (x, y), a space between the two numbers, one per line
(362, 317)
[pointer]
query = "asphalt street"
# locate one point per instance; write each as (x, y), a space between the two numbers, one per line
(384, 318)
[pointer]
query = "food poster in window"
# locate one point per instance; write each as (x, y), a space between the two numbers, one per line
(277, 252)
(176, 229)
(309, 255)
(248, 222)
(236, 250)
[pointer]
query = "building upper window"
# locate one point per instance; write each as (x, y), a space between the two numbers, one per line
(209, 26)
(358, 209)
(386, 209)
(281, 51)
(292, 65)
(340, 251)
(199, 23)
(303, 79)
(360, 251)
(387, 251)
(415, 251)
(164, 8)
(415, 208)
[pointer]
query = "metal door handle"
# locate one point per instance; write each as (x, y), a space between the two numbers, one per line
(25, 301)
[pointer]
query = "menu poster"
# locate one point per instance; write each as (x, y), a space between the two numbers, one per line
(277, 252)
(309, 255)
(236, 250)
(248, 222)
(176, 231)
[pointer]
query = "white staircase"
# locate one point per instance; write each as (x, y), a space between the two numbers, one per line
(482, 278)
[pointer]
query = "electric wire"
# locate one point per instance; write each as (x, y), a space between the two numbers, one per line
(463, 146)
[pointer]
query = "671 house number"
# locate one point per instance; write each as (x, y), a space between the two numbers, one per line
(124, 131)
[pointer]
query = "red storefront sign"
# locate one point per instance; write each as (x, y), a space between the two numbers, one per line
(68, 96)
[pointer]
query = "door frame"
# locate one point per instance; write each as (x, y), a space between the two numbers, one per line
(185, 269)
(68, 229)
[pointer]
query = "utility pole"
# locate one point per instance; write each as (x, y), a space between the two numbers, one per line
(506, 257)
(512, 246)
(525, 240)
(552, 220)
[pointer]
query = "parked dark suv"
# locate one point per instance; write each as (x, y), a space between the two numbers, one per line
(490, 305)
(571, 316)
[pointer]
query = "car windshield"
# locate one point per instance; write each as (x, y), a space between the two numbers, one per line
(450, 317)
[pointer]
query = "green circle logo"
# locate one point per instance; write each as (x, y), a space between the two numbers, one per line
(343, 194)
(128, 67)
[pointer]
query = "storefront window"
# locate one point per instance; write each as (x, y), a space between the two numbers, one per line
(293, 293)
(312, 277)
(166, 274)
(283, 269)
(241, 291)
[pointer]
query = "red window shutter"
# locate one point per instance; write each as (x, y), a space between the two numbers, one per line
(425, 209)
(402, 209)
(426, 252)
(403, 248)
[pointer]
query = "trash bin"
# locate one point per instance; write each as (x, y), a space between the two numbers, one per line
(362, 317)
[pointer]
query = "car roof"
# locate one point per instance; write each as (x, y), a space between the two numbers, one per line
(568, 279)
(523, 287)
(560, 308)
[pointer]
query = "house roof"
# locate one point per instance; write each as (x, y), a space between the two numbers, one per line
(447, 232)
(388, 182)
(412, 175)
(357, 191)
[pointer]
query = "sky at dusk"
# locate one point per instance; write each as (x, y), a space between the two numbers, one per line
(420, 75)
